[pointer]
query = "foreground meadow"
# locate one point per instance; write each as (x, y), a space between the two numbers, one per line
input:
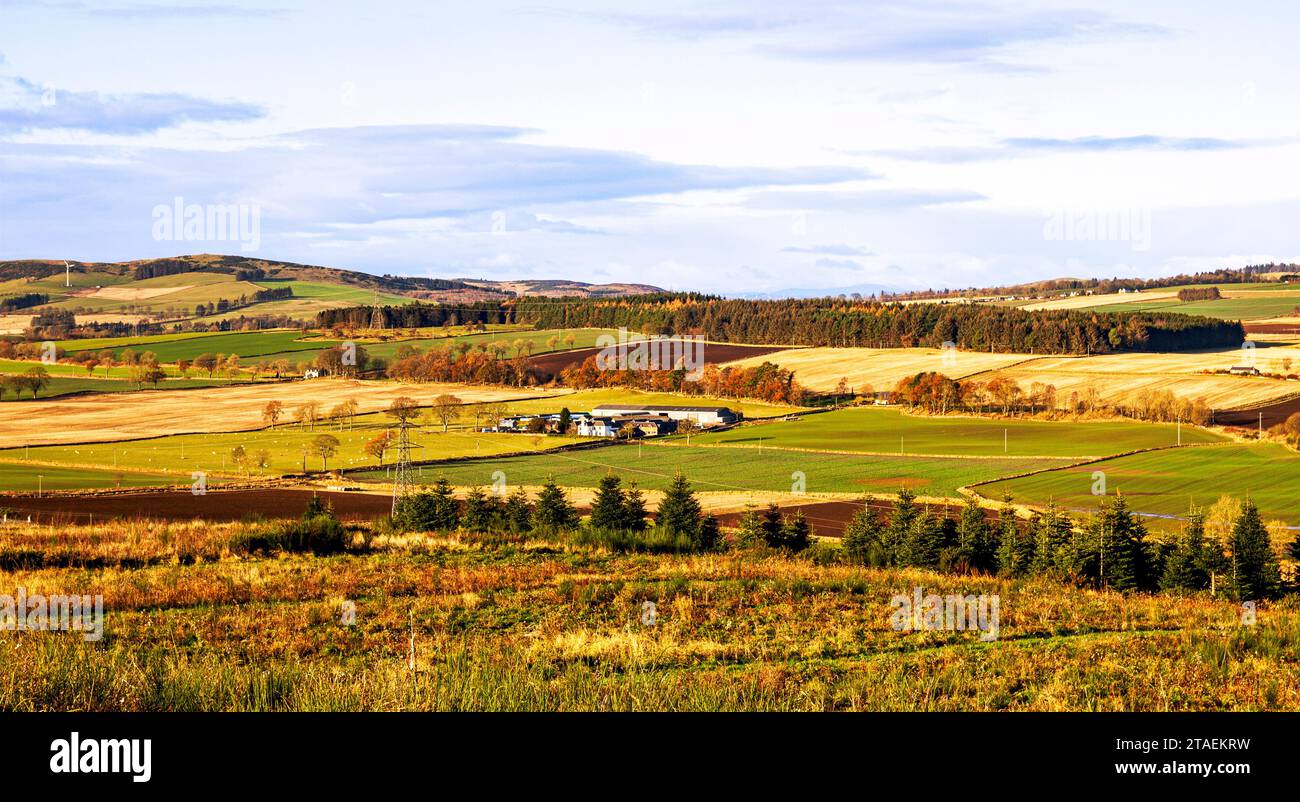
(424, 622)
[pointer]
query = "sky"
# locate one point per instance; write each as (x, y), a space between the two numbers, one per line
(738, 148)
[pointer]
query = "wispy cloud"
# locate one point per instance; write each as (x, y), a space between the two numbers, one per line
(1022, 147)
(25, 106)
(938, 31)
(148, 11)
(828, 250)
(860, 200)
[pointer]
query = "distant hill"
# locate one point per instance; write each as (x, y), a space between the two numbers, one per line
(218, 287)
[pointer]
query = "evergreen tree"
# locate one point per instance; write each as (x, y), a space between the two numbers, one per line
(862, 538)
(1117, 540)
(900, 524)
(750, 528)
(607, 508)
(1255, 572)
(772, 527)
(634, 512)
(795, 532)
(429, 510)
(1015, 548)
(679, 512)
(518, 512)
(481, 511)
(925, 541)
(974, 538)
(565, 419)
(1186, 565)
(553, 512)
(1052, 533)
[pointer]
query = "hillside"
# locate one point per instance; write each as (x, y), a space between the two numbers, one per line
(221, 287)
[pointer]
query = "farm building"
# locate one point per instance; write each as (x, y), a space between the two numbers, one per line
(647, 426)
(705, 416)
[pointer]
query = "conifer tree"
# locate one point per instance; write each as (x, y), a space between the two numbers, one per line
(518, 512)
(1118, 541)
(553, 512)
(862, 538)
(1255, 572)
(481, 511)
(634, 512)
(1186, 566)
(795, 532)
(925, 541)
(1052, 533)
(900, 525)
(750, 528)
(679, 512)
(607, 508)
(772, 526)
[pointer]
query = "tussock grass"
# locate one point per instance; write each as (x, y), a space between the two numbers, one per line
(556, 623)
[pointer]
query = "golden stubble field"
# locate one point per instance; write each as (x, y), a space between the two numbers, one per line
(1119, 378)
(126, 416)
(821, 369)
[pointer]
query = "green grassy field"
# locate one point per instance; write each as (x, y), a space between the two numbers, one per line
(190, 289)
(30, 478)
(1165, 482)
(1252, 302)
(285, 446)
(654, 465)
(890, 430)
(247, 344)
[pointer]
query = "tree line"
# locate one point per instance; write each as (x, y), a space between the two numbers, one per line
(1111, 549)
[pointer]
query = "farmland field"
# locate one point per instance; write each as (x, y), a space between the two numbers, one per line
(16, 477)
(654, 466)
(247, 345)
(69, 385)
(287, 447)
(1165, 482)
(889, 430)
(586, 400)
(129, 416)
(821, 369)
(1239, 301)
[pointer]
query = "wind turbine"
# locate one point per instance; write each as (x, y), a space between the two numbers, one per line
(67, 275)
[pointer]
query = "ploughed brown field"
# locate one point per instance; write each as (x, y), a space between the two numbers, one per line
(1273, 414)
(548, 366)
(215, 505)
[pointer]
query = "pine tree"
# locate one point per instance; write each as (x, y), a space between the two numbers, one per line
(710, 535)
(862, 538)
(795, 532)
(750, 528)
(481, 511)
(1186, 565)
(925, 542)
(553, 512)
(607, 510)
(974, 539)
(634, 512)
(679, 512)
(1118, 542)
(429, 510)
(772, 527)
(1255, 572)
(1052, 533)
(1015, 548)
(900, 524)
(518, 512)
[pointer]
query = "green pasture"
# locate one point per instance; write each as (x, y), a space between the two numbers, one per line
(892, 431)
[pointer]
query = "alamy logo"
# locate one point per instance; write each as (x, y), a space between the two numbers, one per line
(58, 613)
(656, 352)
(1100, 225)
(209, 222)
(73, 755)
(954, 613)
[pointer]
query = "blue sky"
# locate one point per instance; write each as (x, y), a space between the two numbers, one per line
(746, 147)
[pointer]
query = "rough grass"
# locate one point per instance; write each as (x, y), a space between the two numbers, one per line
(511, 624)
